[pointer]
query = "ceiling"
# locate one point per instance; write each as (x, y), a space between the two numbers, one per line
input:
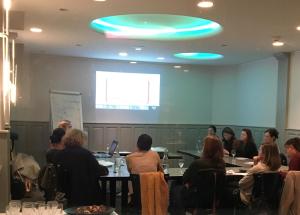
(248, 29)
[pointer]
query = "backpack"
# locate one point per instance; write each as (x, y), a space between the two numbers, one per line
(47, 180)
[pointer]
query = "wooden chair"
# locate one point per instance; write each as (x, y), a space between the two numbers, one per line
(266, 192)
(208, 191)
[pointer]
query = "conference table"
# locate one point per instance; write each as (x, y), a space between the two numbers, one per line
(230, 161)
(236, 170)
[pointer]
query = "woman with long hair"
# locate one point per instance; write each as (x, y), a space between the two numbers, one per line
(212, 158)
(246, 147)
(228, 139)
(270, 161)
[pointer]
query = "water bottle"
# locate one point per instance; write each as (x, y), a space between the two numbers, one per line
(165, 162)
(117, 161)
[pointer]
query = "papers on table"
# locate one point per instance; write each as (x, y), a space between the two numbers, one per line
(235, 173)
(105, 163)
(241, 158)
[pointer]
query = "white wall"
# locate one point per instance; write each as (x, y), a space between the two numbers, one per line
(242, 95)
(246, 95)
(224, 96)
(257, 93)
(294, 93)
(185, 97)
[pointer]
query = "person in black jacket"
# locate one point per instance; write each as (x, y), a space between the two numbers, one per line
(228, 139)
(56, 144)
(246, 147)
(212, 158)
(79, 171)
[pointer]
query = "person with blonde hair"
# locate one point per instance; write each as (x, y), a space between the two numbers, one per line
(270, 161)
(79, 171)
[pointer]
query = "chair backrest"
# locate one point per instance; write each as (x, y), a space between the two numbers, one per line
(268, 187)
(135, 179)
(283, 159)
(210, 185)
(290, 198)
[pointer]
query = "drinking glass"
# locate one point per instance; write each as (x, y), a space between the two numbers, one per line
(60, 209)
(199, 145)
(13, 207)
(52, 207)
(28, 208)
(233, 152)
(41, 208)
(181, 164)
(118, 161)
(165, 167)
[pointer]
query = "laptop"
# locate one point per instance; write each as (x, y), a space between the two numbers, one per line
(112, 148)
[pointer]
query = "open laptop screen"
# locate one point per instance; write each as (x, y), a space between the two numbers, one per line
(112, 147)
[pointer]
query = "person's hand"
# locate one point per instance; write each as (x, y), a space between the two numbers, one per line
(256, 159)
(28, 184)
(226, 152)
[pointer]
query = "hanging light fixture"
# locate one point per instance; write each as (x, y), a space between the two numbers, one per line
(205, 4)
(9, 69)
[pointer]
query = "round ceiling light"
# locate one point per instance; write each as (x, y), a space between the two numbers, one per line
(199, 56)
(205, 4)
(155, 27)
(277, 43)
(36, 30)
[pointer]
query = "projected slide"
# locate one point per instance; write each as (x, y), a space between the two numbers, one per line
(131, 91)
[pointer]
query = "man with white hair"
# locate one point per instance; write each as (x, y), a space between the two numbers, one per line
(65, 124)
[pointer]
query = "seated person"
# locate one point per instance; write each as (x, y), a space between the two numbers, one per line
(292, 147)
(246, 147)
(212, 131)
(56, 144)
(79, 171)
(228, 139)
(270, 161)
(270, 137)
(212, 158)
(144, 159)
(47, 179)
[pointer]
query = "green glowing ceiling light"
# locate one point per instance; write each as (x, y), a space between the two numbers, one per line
(199, 56)
(155, 27)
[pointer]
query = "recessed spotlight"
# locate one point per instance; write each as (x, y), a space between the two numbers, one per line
(186, 70)
(277, 43)
(160, 58)
(123, 54)
(36, 30)
(138, 48)
(205, 4)
(298, 28)
(177, 66)
(132, 62)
